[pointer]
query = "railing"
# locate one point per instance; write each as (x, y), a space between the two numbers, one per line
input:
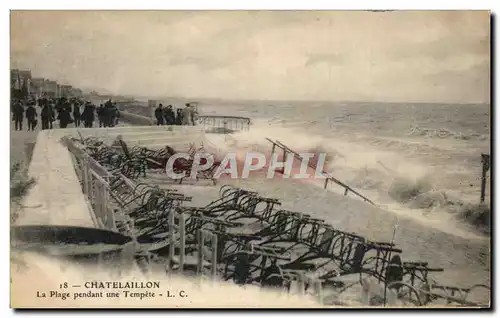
(97, 190)
(213, 123)
(228, 123)
(96, 187)
(202, 236)
(177, 237)
(327, 176)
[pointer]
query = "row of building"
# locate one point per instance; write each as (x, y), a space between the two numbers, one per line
(23, 85)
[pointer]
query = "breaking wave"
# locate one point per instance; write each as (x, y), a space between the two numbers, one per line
(384, 176)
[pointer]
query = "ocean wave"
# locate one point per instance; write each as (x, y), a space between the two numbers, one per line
(444, 133)
(366, 167)
(420, 195)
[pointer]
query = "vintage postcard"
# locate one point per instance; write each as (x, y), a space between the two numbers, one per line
(250, 159)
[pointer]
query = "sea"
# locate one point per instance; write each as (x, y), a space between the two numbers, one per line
(376, 146)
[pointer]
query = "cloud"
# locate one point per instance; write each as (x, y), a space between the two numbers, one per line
(199, 62)
(322, 55)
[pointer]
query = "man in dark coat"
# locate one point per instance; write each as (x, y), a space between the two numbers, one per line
(46, 116)
(169, 116)
(110, 112)
(101, 115)
(88, 115)
(76, 114)
(17, 114)
(159, 115)
(178, 118)
(31, 116)
(64, 117)
(52, 113)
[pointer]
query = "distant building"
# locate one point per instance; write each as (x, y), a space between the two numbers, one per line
(65, 91)
(50, 88)
(37, 85)
(20, 83)
(25, 76)
(15, 81)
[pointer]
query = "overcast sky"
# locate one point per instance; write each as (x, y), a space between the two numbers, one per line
(308, 55)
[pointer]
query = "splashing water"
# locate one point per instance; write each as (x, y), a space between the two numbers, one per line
(417, 171)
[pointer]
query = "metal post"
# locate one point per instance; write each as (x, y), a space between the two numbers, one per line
(326, 182)
(485, 160)
(319, 291)
(171, 251)
(301, 283)
(85, 176)
(365, 292)
(102, 204)
(200, 239)
(182, 227)
(97, 195)
(214, 256)
(109, 212)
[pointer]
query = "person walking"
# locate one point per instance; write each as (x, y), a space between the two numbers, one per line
(46, 116)
(88, 115)
(159, 115)
(100, 115)
(178, 118)
(64, 117)
(18, 113)
(76, 113)
(52, 113)
(109, 114)
(169, 116)
(187, 115)
(31, 117)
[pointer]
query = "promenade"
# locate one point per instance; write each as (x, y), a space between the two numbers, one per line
(57, 197)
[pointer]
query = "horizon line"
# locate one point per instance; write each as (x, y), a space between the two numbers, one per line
(195, 99)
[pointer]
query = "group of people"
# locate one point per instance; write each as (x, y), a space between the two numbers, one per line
(19, 110)
(68, 111)
(76, 111)
(185, 116)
